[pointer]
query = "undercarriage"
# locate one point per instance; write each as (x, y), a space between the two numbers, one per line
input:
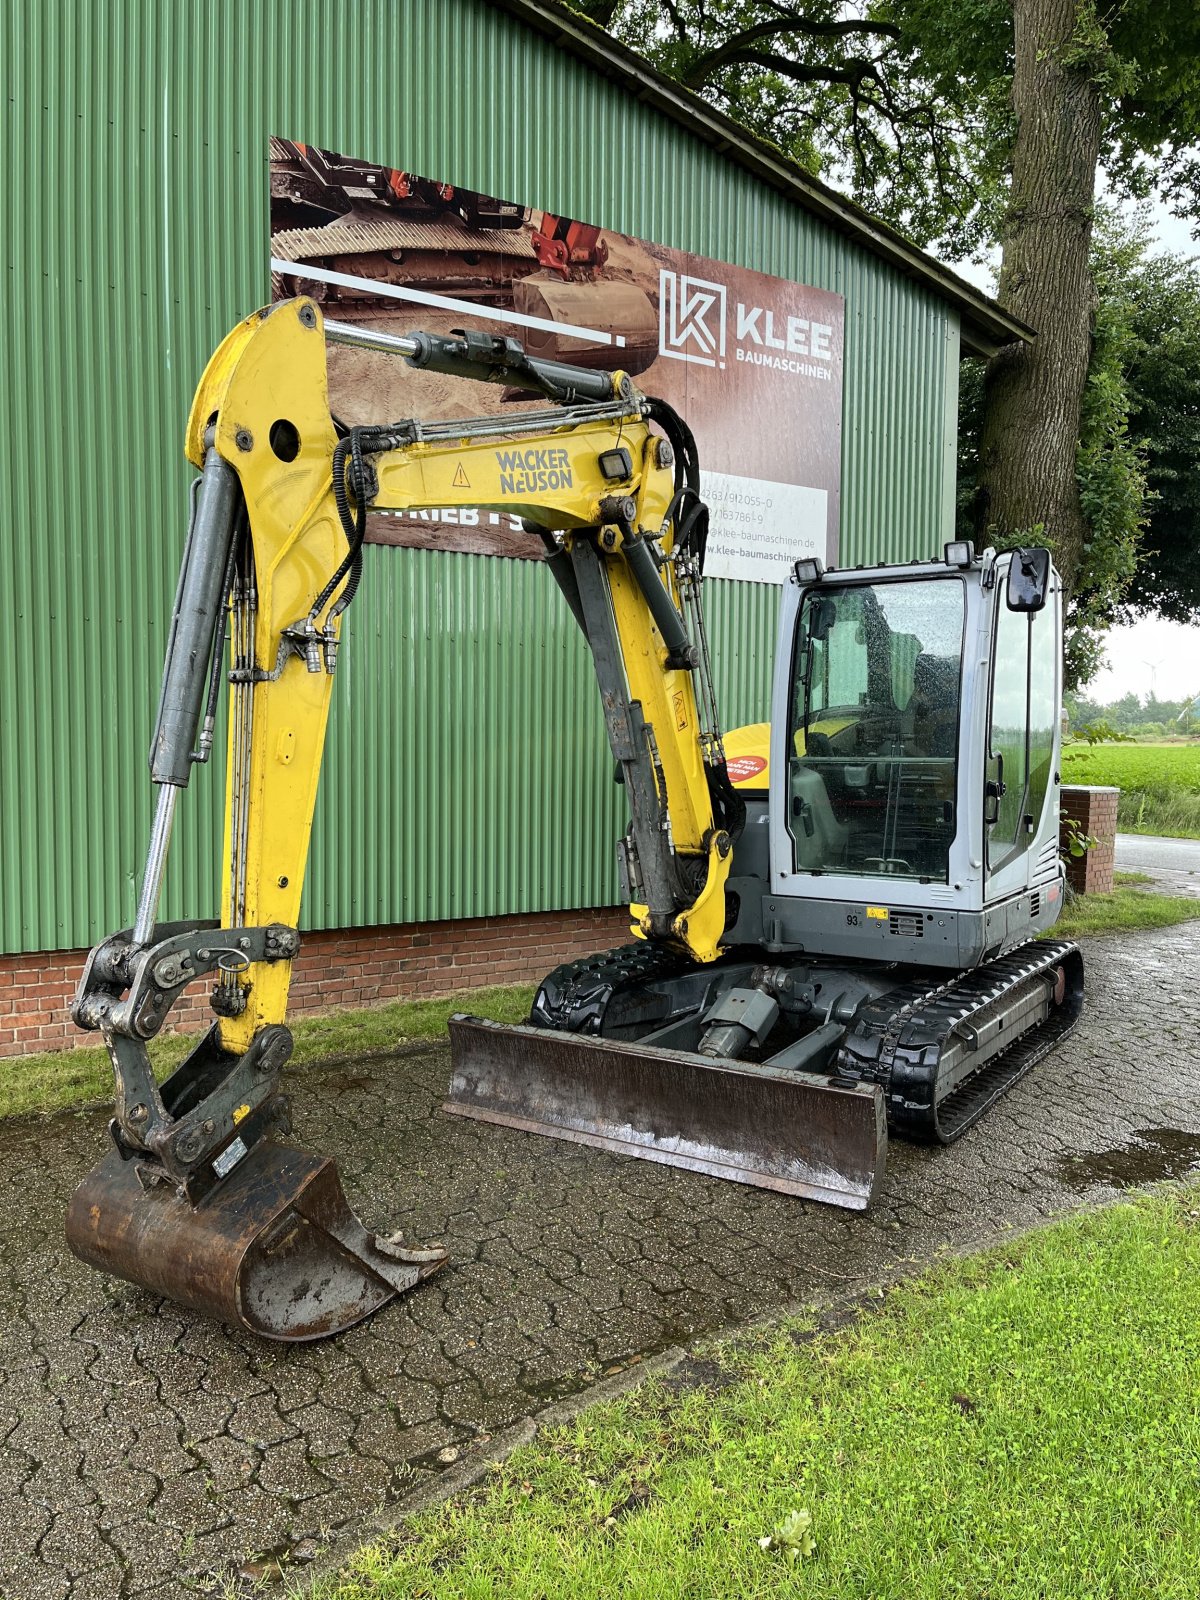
(785, 1076)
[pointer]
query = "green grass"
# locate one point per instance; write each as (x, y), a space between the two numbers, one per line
(1159, 783)
(1127, 908)
(61, 1079)
(1017, 1426)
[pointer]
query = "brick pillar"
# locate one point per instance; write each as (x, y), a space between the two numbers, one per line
(1094, 810)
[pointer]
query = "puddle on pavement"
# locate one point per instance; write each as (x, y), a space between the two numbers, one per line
(1154, 1154)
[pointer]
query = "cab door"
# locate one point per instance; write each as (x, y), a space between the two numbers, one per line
(1022, 735)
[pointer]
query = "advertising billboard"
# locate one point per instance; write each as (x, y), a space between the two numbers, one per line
(752, 362)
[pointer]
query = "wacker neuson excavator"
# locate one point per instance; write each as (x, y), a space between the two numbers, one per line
(833, 914)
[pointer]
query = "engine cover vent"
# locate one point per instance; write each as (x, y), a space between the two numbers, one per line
(909, 923)
(1035, 903)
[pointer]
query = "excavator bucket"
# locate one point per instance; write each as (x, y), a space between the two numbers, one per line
(274, 1248)
(794, 1132)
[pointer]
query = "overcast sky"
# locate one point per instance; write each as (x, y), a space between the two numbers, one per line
(1151, 655)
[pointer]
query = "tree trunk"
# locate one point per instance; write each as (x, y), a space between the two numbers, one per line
(1032, 393)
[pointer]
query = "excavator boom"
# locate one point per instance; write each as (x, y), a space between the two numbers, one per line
(199, 1200)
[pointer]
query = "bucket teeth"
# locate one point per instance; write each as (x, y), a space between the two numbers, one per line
(274, 1249)
(794, 1132)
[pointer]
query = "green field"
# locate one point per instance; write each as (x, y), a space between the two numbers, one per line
(1159, 783)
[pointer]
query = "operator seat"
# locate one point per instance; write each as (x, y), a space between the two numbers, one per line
(820, 839)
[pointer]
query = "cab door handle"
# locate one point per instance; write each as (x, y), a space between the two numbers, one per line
(994, 790)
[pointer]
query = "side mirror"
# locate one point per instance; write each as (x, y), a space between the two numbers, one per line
(1028, 579)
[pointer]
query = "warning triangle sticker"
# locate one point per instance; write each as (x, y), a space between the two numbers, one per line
(461, 481)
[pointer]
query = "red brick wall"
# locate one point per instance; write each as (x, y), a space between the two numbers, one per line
(1095, 811)
(349, 967)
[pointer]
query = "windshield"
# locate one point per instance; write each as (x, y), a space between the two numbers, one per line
(873, 741)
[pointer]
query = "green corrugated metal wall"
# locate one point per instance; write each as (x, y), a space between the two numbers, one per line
(467, 771)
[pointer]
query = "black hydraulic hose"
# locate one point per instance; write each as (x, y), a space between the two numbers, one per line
(683, 442)
(214, 682)
(354, 524)
(359, 530)
(687, 510)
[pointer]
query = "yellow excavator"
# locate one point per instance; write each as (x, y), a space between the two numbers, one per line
(832, 923)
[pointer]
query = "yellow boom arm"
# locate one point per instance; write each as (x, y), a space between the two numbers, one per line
(592, 477)
(198, 1199)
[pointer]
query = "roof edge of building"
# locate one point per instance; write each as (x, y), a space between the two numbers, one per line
(986, 325)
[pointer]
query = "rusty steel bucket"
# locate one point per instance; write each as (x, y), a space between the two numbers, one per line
(274, 1248)
(797, 1133)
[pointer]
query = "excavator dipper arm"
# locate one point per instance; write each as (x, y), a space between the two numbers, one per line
(197, 1200)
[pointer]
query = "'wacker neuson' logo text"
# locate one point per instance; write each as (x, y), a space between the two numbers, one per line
(692, 316)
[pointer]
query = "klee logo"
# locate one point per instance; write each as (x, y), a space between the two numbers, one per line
(691, 319)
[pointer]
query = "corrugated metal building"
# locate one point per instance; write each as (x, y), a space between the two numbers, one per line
(467, 773)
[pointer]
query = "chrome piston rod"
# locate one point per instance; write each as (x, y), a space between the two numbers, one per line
(156, 863)
(393, 344)
(489, 359)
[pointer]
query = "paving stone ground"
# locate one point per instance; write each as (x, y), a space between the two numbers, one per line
(144, 1451)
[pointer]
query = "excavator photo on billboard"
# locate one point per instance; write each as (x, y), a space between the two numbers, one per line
(833, 915)
(353, 236)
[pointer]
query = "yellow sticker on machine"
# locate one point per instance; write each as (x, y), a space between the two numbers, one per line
(880, 913)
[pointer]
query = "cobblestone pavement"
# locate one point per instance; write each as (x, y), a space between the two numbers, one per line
(143, 1450)
(1174, 864)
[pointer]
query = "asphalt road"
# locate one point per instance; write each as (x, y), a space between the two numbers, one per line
(145, 1452)
(1173, 863)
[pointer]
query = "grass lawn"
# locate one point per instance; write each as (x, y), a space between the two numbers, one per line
(1159, 783)
(1127, 907)
(60, 1079)
(1022, 1425)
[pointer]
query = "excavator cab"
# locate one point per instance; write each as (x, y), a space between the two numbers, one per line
(873, 726)
(917, 756)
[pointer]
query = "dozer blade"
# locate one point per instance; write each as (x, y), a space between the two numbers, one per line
(796, 1133)
(274, 1248)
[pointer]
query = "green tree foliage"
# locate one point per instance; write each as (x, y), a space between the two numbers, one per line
(846, 90)
(1163, 377)
(1110, 463)
(1138, 463)
(905, 104)
(1135, 716)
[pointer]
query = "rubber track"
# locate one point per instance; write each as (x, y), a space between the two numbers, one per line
(573, 998)
(898, 1039)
